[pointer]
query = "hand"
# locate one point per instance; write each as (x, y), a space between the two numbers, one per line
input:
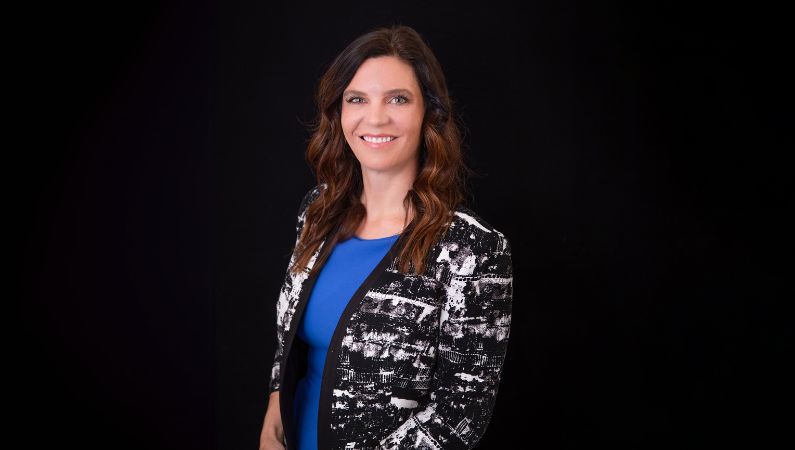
(272, 435)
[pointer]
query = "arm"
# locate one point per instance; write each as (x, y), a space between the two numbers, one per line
(309, 197)
(272, 435)
(473, 339)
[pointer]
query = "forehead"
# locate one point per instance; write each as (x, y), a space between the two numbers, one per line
(384, 73)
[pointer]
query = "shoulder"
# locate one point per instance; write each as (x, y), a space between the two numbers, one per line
(472, 246)
(310, 196)
(469, 228)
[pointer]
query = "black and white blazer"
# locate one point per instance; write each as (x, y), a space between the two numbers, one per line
(415, 360)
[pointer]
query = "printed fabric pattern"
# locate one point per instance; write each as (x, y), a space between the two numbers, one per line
(421, 356)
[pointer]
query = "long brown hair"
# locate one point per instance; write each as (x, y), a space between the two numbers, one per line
(439, 186)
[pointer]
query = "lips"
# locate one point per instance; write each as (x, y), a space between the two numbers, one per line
(377, 140)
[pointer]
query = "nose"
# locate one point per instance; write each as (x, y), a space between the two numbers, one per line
(377, 114)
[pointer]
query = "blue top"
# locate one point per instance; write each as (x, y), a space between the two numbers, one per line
(346, 268)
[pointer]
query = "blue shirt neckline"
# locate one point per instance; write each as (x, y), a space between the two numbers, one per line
(376, 239)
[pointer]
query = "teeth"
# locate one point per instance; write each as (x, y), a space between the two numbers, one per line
(377, 140)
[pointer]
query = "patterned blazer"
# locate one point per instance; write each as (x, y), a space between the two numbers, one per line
(415, 360)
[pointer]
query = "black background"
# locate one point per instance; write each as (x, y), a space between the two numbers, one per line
(632, 154)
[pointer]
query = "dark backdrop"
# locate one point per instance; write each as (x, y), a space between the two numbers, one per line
(630, 153)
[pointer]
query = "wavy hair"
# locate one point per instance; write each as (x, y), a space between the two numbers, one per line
(440, 184)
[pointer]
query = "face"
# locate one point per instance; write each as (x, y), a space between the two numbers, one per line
(382, 112)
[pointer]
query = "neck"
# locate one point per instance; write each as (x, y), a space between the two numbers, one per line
(383, 194)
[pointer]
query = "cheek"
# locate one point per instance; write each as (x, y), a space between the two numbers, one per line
(412, 123)
(347, 121)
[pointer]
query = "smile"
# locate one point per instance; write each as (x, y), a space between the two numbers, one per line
(379, 139)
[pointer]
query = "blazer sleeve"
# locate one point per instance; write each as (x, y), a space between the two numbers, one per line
(473, 338)
(309, 197)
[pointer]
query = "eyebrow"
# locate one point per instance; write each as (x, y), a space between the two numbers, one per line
(389, 92)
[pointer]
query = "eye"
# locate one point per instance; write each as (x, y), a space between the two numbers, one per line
(402, 97)
(351, 99)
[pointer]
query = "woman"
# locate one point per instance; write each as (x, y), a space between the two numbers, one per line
(394, 316)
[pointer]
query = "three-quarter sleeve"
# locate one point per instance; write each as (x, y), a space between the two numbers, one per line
(309, 197)
(473, 338)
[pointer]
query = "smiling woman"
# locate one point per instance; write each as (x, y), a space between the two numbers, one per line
(393, 320)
